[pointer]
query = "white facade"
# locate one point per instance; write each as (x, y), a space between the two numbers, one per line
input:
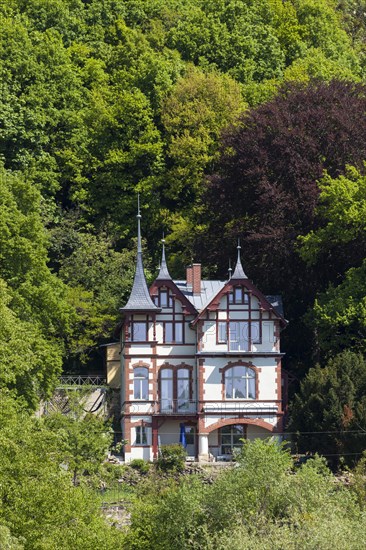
(207, 363)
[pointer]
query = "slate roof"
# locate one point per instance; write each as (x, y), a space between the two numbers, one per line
(139, 299)
(164, 274)
(239, 271)
(276, 302)
(209, 289)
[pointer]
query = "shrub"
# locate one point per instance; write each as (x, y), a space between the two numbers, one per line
(140, 464)
(172, 458)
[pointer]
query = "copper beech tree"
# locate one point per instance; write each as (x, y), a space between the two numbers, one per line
(266, 187)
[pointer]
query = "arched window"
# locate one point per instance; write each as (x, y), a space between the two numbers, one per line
(141, 383)
(240, 383)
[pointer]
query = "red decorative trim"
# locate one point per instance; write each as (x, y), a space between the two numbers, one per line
(188, 307)
(249, 421)
(240, 363)
(175, 369)
(215, 302)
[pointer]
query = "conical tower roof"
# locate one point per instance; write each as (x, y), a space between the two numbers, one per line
(139, 299)
(239, 271)
(164, 274)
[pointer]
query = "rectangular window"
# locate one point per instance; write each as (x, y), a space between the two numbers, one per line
(168, 333)
(255, 332)
(139, 332)
(163, 298)
(141, 435)
(173, 333)
(238, 296)
(238, 336)
(222, 332)
(178, 333)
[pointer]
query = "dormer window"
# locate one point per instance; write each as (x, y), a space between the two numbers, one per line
(238, 296)
(163, 299)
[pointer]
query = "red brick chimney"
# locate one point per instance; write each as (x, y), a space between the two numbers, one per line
(196, 278)
(189, 275)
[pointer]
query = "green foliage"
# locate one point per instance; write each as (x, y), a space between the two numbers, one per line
(329, 412)
(84, 438)
(36, 317)
(339, 313)
(260, 503)
(39, 503)
(171, 458)
(140, 464)
(7, 541)
(342, 208)
(358, 483)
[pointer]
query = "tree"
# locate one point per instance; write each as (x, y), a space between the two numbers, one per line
(39, 504)
(339, 242)
(329, 412)
(35, 314)
(262, 503)
(84, 438)
(266, 189)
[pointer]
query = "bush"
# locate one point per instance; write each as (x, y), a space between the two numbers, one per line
(172, 458)
(140, 464)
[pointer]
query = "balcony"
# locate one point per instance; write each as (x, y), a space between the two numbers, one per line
(176, 407)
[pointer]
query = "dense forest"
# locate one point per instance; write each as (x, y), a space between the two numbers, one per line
(231, 118)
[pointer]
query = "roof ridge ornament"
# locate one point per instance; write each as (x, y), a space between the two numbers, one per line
(164, 274)
(139, 299)
(239, 271)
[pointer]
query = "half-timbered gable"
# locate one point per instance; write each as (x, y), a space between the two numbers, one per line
(199, 362)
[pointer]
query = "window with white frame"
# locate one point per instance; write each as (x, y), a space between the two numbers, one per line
(141, 435)
(240, 383)
(141, 383)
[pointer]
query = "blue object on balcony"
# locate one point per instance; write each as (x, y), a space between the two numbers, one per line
(182, 435)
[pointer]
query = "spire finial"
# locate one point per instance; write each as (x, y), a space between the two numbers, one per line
(139, 299)
(230, 269)
(163, 272)
(239, 271)
(139, 247)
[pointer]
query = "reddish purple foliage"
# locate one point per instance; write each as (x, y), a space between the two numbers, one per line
(266, 192)
(266, 189)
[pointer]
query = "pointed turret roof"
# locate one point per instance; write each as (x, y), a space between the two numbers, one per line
(139, 299)
(164, 274)
(239, 271)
